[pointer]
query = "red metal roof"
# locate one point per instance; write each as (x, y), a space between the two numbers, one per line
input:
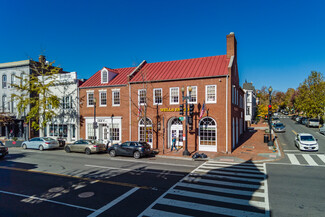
(182, 69)
(119, 79)
(170, 70)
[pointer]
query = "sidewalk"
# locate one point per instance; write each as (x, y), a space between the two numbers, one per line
(251, 147)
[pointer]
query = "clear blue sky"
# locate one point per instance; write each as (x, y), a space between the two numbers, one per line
(279, 42)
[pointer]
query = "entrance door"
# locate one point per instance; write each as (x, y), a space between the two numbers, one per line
(176, 130)
(102, 133)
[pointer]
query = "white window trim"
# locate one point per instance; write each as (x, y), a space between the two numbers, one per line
(116, 90)
(206, 94)
(100, 98)
(192, 92)
(139, 96)
(90, 92)
(170, 96)
(101, 76)
(154, 96)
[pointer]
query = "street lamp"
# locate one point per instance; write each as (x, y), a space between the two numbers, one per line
(270, 143)
(111, 131)
(95, 123)
(186, 98)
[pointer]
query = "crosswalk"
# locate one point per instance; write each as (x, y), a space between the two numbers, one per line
(216, 189)
(306, 159)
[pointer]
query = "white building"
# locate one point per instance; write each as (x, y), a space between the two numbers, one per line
(66, 123)
(250, 102)
(8, 106)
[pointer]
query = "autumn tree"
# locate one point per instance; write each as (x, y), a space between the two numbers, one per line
(34, 90)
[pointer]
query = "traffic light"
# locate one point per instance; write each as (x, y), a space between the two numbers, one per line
(181, 109)
(191, 110)
(190, 122)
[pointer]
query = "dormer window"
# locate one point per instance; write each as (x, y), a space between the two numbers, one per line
(104, 76)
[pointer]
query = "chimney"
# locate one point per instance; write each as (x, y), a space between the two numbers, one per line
(231, 45)
(41, 59)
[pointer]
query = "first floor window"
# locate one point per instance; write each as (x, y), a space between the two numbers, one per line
(211, 94)
(208, 132)
(248, 110)
(145, 132)
(115, 132)
(90, 131)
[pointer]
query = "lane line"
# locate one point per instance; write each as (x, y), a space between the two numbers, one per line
(136, 170)
(309, 160)
(113, 203)
(46, 200)
(158, 163)
(322, 157)
(77, 177)
(294, 132)
(266, 192)
(293, 159)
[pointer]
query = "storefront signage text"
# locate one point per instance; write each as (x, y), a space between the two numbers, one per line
(170, 109)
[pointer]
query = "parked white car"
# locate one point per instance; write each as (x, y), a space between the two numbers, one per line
(312, 122)
(306, 142)
(40, 143)
(322, 130)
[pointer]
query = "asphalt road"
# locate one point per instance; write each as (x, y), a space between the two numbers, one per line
(55, 183)
(296, 182)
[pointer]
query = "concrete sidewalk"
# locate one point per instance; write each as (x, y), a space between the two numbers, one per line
(251, 148)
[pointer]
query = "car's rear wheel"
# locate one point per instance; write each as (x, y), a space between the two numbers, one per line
(24, 146)
(136, 155)
(41, 147)
(88, 152)
(67, 149)
(112, 153)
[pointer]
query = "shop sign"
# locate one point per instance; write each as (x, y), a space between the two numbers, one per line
(181, 118)
(170, 109)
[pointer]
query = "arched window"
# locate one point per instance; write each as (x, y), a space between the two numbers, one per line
(104, 76)
(208, 132)
(4, 81)
(145, 134)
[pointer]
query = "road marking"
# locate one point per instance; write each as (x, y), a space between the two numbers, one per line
(309, 160)
(76, 177)
(294, 132)
(46, 200)
(289, 164)
(266, 192)
(292, 151)
(113, 203)
(293, 159)
(159, 163)
(136, 170)
(322, 157)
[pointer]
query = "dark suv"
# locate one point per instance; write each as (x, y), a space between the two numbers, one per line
(3, 150)
(135, 149)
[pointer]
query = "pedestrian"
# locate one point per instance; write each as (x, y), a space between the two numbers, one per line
(174, 143)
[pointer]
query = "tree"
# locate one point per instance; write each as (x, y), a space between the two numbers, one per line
(311, 95)
(33, 90)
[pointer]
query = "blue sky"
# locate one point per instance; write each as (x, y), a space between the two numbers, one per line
(279, 42)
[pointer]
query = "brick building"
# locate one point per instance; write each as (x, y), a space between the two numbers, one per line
(143, 102)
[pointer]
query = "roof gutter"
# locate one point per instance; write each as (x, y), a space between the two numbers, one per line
(117, 85)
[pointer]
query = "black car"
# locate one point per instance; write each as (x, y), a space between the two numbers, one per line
(3, 150)
(135, 149)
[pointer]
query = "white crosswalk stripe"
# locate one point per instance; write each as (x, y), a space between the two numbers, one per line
(307, 159)
(216, 189)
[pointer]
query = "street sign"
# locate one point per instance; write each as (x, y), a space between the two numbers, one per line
(181, 118)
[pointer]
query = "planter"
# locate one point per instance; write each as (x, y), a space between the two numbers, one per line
(13, 143)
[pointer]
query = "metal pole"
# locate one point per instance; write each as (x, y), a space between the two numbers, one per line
(94, 119)
(270, 143)
(186, 152)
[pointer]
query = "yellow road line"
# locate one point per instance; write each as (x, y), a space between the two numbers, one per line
(294, 132)
(76, 177)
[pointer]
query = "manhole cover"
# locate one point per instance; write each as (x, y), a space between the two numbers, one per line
(86, 194)
(56, 189)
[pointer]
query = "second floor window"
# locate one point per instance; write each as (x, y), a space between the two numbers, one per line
(193, 99)
(116, 97)
(142, 94)
(174, 95)
(211, 94)
(90, 99)
(13, 78)
(4, 81)
(157, 95)
(103, 98)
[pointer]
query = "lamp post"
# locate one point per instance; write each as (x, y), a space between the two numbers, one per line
(111, 131)
(186, 98)
(95, 123)
(270, 143)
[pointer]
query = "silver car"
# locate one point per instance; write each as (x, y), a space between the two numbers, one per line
(40, 143)
(86, 146)
(306, 142)
(322, 130)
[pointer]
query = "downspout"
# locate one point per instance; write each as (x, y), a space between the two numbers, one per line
(130, 126)
(227, 113)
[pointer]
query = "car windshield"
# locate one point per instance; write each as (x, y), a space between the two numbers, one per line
(307, 138)
(313, 120)
(279, 125)
(47, 139)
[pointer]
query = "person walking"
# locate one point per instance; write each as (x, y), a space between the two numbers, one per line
(174, 144)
